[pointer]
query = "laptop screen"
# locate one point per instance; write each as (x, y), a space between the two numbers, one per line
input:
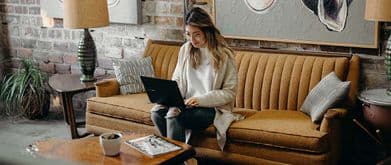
(165, 92)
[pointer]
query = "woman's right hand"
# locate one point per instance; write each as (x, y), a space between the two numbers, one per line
(191, 102)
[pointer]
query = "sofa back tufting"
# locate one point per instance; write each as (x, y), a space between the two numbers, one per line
(266, 80)
(164, 58)
(278, 81)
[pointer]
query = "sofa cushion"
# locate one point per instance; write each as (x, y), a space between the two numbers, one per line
(135, 107)
(324, 95)
(128, 74)
(251, 150)
(280, 128)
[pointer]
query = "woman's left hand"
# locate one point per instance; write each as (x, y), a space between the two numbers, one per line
(191, 101)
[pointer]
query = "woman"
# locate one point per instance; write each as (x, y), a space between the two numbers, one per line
(207, 78)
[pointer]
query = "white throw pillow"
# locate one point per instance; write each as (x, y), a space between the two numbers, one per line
(128, 74)
(324, 95)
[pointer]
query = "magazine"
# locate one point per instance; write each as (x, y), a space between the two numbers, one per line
(152, 145)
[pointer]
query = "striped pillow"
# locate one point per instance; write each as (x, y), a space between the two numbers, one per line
(324, 95)
(128, 74)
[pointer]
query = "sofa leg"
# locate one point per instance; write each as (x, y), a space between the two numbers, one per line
(191, 161)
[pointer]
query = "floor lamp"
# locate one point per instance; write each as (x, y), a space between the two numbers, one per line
(84, 14)
(380, 10)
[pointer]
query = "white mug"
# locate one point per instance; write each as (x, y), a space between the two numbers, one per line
(110, 143)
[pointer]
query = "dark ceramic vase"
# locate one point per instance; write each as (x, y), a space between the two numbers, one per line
(87, 57)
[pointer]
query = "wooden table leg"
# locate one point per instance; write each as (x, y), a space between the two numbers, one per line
(64, 107)
(69, 114)
(368, 132)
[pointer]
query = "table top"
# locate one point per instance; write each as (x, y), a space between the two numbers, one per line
(376, 97)
(71, 83)
(88, 150)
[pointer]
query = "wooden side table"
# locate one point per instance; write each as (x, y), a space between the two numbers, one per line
(376, 112)
(376, 108)
(68, 85)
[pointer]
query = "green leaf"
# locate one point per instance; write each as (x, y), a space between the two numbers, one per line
(23, 91)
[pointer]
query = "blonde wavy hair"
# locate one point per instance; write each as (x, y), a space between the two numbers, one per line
(198, 17)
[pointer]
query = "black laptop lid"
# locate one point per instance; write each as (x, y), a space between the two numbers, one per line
(165, 92)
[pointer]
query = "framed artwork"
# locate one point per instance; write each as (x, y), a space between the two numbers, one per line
(323, 22)
(120, 11)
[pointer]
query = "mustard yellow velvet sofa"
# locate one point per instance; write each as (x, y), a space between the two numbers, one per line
(272, 87)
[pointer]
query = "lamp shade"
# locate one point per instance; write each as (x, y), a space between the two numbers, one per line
(378, 10)
(80, 14)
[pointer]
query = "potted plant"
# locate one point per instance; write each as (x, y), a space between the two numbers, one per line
(110, 143)
(24, 91)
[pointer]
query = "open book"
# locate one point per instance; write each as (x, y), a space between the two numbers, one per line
(152, 145)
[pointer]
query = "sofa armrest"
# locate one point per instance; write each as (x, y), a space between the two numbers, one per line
(107, 87)
(332, 114)
(336, 113)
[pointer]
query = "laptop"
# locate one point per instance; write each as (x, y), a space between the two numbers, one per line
(165, 92)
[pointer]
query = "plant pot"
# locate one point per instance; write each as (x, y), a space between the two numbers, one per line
(45, 107)
(37, 109)
(110, 143)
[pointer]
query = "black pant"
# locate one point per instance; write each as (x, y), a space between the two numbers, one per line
(197, 118)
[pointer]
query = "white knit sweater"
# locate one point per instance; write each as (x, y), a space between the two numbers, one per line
(222, 95)
(200, 80)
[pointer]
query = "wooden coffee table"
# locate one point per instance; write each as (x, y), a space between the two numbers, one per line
(88, 150)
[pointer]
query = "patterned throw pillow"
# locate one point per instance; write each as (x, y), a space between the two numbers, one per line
(128, 74)
(324, 95)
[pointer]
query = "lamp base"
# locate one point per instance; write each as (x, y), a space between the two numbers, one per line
(86, 54)
(87, 78)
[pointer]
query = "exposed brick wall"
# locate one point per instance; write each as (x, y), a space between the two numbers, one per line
(22, 35)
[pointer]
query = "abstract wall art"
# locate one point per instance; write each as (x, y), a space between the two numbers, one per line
(323, 22)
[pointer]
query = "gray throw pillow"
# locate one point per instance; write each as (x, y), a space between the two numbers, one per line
(324, 95)
(128, 74)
